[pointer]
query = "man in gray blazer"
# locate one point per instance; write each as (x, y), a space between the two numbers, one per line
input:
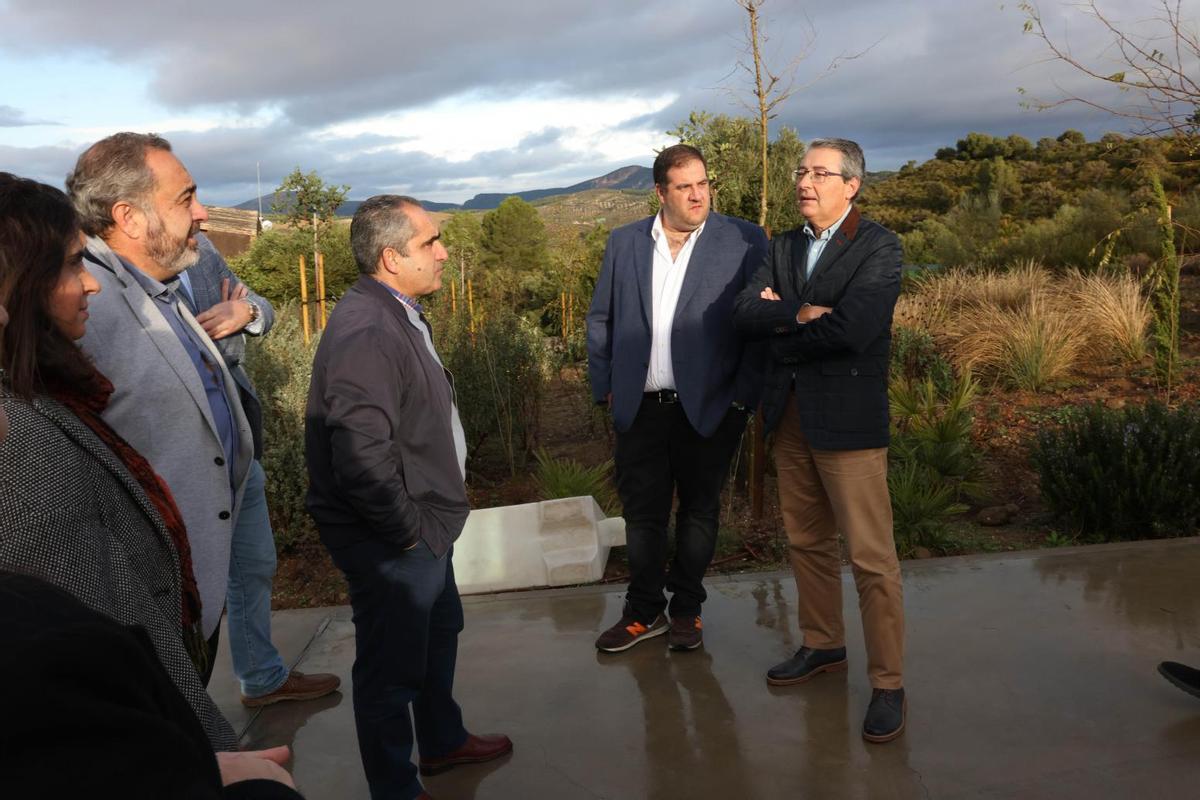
(174, 399)
(664, 357)
(228, 311)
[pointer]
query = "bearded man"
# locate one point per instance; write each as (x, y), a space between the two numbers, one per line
(173, 398)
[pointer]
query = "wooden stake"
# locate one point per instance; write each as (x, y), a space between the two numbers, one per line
(562, 301)
(453, 297)
(758, 465)
(471, 310)
(304, 300)
(321, 286)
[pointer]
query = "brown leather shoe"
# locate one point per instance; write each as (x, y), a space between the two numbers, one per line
(475, 750)
(298, 686)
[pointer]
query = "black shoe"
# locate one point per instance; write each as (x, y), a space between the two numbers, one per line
(686, 633)
(885, 715)
(807, 663)
(1181, 676)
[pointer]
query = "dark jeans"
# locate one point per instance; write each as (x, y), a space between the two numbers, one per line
(407, 617)
(659, 455)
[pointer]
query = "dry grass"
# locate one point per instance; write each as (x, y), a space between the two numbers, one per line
(1114, 314)
(1025, 327)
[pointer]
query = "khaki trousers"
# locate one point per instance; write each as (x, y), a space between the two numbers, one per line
(822, 492)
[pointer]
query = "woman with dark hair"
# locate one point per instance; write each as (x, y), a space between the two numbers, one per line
(79, 507)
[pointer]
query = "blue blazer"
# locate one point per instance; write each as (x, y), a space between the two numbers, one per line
(714, 365)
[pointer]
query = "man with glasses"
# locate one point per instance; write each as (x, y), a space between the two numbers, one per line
(824, 300)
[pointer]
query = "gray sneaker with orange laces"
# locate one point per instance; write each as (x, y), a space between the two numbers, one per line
(628, 632)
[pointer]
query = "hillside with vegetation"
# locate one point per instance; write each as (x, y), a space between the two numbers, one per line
(989, 201)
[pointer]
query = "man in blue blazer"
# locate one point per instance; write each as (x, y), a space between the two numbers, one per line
(228, 311)
(680, 381)
(824, 300)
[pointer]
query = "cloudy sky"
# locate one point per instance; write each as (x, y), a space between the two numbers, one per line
(443, 100)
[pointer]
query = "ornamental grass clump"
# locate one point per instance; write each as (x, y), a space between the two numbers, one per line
(559, 478)
(1116, 312)
(1133, 473)
(1033, 347)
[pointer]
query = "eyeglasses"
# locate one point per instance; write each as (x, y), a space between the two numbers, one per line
(817, 175)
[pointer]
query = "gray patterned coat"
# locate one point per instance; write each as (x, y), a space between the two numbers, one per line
(71, 513)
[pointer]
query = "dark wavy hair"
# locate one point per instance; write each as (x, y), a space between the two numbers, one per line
(36, 224)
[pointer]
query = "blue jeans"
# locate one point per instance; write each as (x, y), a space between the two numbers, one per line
(407, 617)
(256, 662)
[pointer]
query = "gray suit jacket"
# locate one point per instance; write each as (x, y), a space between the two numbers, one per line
(205, 278)
(71, 514)
(159, 406)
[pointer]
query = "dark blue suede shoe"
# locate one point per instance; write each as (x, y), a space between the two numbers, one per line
(885, 715)
(806, 664)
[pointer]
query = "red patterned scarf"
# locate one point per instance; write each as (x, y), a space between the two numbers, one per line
(87, 401)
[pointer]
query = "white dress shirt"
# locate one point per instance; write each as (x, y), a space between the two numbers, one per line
(667, 280)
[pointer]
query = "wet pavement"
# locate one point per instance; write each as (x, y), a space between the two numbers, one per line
(1029, 675)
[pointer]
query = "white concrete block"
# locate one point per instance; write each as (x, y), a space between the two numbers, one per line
(551, 543)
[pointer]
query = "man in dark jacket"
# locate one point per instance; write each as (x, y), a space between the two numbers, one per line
(387, 464)
(824, 300)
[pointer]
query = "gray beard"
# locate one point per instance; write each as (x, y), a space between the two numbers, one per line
(171, 257)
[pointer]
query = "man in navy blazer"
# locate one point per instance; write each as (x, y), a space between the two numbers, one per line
(228, 311)
(680, 381)
(824, 300)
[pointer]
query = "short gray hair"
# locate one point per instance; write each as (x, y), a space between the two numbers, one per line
(111, 170)
(854, 164)
(379, 223)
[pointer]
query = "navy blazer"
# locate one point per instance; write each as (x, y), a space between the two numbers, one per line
(205, 277)
(838, 363)
(714, 365)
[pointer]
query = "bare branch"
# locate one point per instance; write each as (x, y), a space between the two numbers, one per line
(1156, 60)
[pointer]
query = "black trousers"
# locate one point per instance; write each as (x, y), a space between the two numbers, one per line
(660, 455)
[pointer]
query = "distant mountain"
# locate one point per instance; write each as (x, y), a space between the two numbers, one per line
(632, 177)
(638, 178)
(346, 209)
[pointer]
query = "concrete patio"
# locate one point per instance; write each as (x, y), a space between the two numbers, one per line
(1029, 675)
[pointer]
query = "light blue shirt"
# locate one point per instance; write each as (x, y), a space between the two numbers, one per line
(816, 244)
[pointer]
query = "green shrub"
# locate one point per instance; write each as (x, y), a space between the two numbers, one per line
(280, 365)
(272, 264)
(500, 372)
(923, 504)
(1123, 474)
(915, 357)
(565, 477)
(933, 464)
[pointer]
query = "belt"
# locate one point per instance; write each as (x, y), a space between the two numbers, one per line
(662, 396)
